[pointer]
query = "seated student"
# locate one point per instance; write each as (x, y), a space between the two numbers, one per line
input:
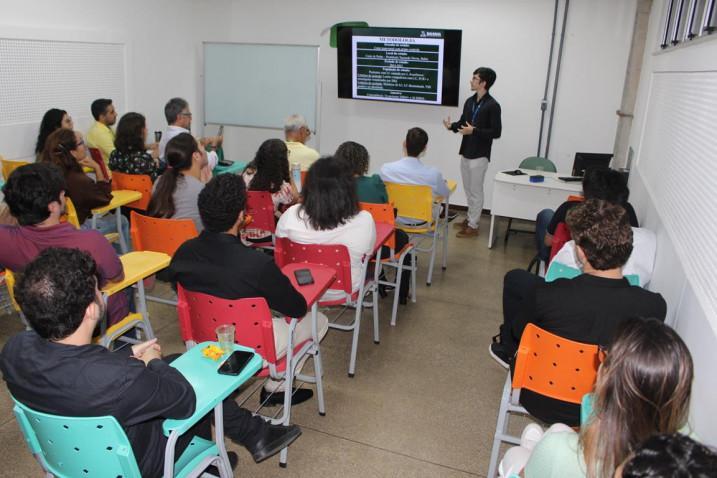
(329, 214)
(219, 264)
(67, 150)
(175, 193)
(669, 456)
(410, 169)
(370, 189)
(297, 133)
(53, 120)
(270, 172)
(100, 134)
(35, 195)
(585, 309)
(130, 155)
(179, 119)
(56, 369)
(606, 184)
(643, 388)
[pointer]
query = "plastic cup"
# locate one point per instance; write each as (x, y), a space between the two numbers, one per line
(225, 337)
(157, 136)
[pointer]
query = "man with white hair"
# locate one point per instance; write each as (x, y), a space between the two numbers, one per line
(296, 133)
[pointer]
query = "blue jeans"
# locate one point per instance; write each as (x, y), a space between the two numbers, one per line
(107, 224)
(541, 225)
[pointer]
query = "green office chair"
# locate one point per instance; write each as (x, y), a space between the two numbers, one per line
(96, 446)
(535, 163)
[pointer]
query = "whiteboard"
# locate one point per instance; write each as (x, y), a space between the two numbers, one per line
(259, 85)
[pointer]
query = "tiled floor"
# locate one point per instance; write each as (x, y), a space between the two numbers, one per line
(422, 403)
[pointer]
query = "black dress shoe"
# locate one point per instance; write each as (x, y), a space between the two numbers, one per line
(277, 398)
(272, 440)
(233, 461)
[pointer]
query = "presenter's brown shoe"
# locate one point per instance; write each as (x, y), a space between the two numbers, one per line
(460, 225)
(468, 232)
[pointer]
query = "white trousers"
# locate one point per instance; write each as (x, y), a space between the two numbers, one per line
(473, 174)
(301, 332)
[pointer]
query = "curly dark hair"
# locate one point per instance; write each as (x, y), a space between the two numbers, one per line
(130, 130)
(55, 290)
(674, 455)
(51, 121)
(355, 155)
(178, 154)
(329, 194)
(30, 189)
(221, 201)
(272, 166)
(602, 229)
(57, 150)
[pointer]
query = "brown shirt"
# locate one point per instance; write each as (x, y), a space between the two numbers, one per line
(87, 194)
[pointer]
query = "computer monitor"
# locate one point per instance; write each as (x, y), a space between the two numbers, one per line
(585, 161)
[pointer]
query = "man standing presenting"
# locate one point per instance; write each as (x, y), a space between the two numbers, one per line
(479, 125)
(297, 133)
(100, 135)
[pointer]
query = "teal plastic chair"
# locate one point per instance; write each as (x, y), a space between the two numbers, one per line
(536, 162)
(95, 446)
(558, 270)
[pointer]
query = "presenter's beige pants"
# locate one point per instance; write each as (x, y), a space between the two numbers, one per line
(473, 174)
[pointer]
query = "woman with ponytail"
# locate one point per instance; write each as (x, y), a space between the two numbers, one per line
(176, 191)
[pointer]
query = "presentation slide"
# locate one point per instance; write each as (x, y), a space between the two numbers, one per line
(399, 68)
(408, 65)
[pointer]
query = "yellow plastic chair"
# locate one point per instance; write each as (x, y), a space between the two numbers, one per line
(9, 166)
(72, 217)
(415, 205)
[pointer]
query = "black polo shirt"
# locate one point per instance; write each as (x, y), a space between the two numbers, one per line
(219, 264)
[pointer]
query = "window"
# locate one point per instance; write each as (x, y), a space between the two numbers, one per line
(686, 20)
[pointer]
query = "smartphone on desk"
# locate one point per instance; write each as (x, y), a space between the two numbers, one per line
(235, 363)
(303, 276)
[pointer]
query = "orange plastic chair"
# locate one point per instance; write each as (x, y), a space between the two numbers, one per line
(551, 366)
(134, 182)
(384, 213)
(160, 235)
(9, 166)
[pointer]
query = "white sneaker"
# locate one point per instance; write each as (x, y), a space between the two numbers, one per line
(531, 436)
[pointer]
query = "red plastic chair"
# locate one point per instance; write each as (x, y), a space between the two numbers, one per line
(260, 207)
(337, 257)
(97, 156)
(200, 314)
(561, 236)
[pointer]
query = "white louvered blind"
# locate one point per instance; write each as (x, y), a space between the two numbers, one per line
(36, 75)
(678, 163)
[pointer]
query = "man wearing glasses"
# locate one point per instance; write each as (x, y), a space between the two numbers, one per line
(179, 119)
(297, 133)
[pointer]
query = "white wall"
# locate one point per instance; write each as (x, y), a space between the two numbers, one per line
(513, 37)
(687, 307)
(163, 51)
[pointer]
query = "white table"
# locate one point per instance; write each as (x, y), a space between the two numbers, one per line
(517, 197)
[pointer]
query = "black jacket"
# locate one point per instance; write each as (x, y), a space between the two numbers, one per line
(487, 126)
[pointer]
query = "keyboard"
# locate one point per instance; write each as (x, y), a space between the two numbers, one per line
(570, 179)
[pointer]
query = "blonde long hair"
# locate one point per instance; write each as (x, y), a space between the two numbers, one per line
(643, 388)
